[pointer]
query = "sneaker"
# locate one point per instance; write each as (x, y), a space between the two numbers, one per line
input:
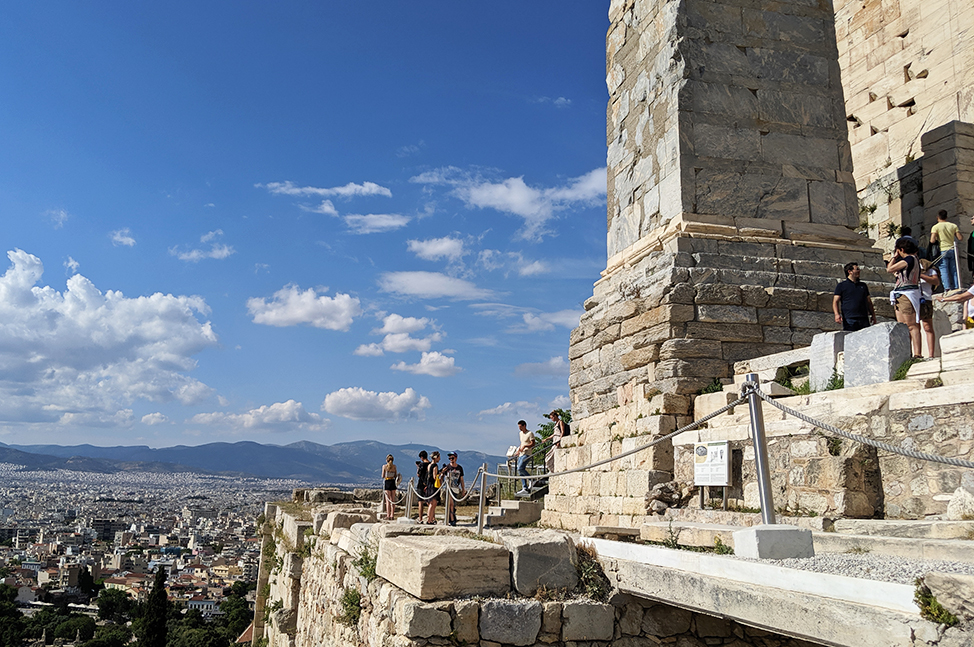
(522, 492)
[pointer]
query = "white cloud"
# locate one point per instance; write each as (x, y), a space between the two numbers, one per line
(57, 217)
(520, 409)
(326, 207)
(280, 416)
(554, 367)
(536, 206)
(430, 285)
(369, 350)
(559, 102)
(154, 419)
(123, 237)
(82, 356)
(401, 342)
(532, 320)
(122, 418)
(291, 307)
(492, 259)
(376, 223)
(71, 265)
(434, 249)
(216, 251)
(394, 323)
(410, 149)
(432, 363)
(358, 404)
(561, 402)
(347, 191)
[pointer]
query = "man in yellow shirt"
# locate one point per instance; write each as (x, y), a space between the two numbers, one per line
(944, 233)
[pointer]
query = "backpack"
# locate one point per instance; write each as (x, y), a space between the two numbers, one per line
(568, 429)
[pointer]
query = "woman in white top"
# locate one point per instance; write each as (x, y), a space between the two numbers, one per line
(905, 297)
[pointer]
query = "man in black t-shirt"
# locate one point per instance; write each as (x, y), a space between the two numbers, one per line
(850, 303)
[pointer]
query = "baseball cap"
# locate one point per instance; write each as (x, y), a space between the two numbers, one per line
(449, 454)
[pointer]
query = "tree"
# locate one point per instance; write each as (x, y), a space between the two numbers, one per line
(87, 583)
(114, 605)
(152, 630)
(11, 620)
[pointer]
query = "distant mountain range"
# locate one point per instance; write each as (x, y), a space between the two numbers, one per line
(352, 463)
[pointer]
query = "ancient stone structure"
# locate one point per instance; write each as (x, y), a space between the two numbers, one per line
(731, 210)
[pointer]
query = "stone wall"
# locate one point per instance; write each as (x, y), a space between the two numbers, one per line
(907, 68)
(308, 585)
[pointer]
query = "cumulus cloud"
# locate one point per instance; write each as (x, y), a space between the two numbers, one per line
(536, 206)
(554, 367)
(156, 418)
(375, 223)
(280, 416)
(292, 307)
(82, 356)
(432, 363)
(218, 251)
(398, 339)
(430, 285)
(122, 237)
(57, 217)
(326, 207)
(358, 404)
(559, 102)
(71, 265)
(561, 402)
(434, 249)
(346, 191)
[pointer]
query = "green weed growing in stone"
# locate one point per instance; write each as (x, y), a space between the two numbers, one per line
(591, 578)
(905, 368)
(835, 382)
(720, 548)
(930, 609)
(365, 562)
(351, 603)
(672, 538)
(834, 445)
(859, 550)
(714, 387)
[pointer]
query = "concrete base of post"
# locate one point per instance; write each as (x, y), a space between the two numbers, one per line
(773, 542)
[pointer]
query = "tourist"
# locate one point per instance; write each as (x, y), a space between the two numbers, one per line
(964, 297)
(906, 232)
(524, 450)
(905, 296)
(432, 487)
(945, 233)
(422, 481)
(850, 301)
(389, 483)
(929, 280)
(560, 430)
(452, 476)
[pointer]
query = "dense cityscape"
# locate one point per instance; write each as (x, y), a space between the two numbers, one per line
(79, 550)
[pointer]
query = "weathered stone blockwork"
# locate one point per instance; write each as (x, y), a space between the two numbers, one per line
(731, 207)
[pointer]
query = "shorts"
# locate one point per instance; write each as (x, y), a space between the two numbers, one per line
(389, 485)
(905, 306)
(926, 311)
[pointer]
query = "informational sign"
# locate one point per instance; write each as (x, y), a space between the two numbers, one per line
(711, 463)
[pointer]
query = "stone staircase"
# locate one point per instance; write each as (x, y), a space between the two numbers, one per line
(930, 540)
(514, 513)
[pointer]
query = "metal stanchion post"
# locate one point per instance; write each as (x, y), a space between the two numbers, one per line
(409, 499)
(483, 497)
(957, 263)
(760, 453)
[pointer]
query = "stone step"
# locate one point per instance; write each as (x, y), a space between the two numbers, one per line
(906, 528)
(704, 534)
(513, 513)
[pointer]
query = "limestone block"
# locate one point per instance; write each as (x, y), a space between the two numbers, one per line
(551, 618)
(704, 405)
(873, 354)
(587, 620)
(823, 355)
(785, 359)
(961, 505)
(466, 621)
(510, 622)
(444, 566)
(421, 620)
(773, 542)
(662, 621)
(339, 519)
(540, 558)
(954, 591)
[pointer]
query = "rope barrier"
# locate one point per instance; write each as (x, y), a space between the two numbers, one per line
(909, 453)
(630, 452)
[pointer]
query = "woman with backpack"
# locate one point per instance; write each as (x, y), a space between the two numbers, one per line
(561, 429)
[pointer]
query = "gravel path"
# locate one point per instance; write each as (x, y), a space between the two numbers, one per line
(884, 568)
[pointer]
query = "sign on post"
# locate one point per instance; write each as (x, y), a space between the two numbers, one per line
(711, 463)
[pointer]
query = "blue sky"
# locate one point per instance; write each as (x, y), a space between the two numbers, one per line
(283, 221)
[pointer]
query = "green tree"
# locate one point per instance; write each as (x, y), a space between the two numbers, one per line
(152, 630)
(87, 583)
(110, 635)
(11, 620)
(114, 605)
